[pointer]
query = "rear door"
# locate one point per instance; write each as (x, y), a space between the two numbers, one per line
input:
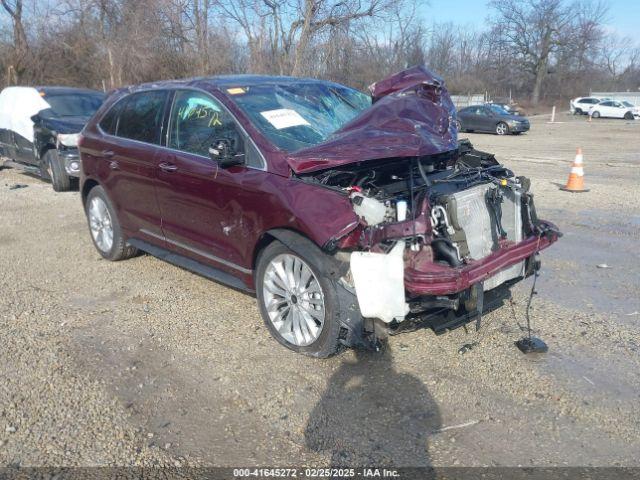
(485, 119)
(133, 129)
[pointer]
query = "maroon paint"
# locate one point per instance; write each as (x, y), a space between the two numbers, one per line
(427, 278)
(415, 120)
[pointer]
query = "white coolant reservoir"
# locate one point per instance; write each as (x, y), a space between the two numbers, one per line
(401, 210)
(379, 283)
(371, 210)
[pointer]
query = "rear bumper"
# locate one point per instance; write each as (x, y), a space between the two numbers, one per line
(437, 279)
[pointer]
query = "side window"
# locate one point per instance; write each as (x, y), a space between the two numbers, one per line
(141, 117)
(109, 122)
(197, 120)
(606, 104)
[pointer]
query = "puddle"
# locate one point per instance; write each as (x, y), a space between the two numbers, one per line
(595, 380)
(570, 276)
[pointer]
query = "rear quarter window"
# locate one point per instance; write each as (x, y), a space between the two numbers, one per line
(109, 122)
(141, 117)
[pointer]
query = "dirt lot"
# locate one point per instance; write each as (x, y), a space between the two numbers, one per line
(140, 362)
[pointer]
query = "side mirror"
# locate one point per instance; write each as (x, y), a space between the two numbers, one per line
(223, 151)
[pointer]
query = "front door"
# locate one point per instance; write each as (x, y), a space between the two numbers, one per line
(202, 204)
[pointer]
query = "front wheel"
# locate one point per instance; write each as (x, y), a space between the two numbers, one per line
(595, 114)
(52, 168)
(502, 128)
(105, 228)
(298, 304)
(628, 116)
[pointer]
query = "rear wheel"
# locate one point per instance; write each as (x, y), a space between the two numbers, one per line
(502, 128)
(577, 111)
(52, 168)
(298, 304)
(105, 227)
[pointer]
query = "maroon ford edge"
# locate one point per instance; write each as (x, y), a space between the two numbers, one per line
(350, 216)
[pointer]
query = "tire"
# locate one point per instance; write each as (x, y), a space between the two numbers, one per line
(52, 168)
(324, 342)
(577, 111)
(595, 114)
(102, 218)
(502, 128)
(628, 116)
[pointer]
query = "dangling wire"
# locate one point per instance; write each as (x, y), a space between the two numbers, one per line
(536, 274)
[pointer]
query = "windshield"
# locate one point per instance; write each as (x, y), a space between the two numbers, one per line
(72, 105)
(627, 104)
(294, 116)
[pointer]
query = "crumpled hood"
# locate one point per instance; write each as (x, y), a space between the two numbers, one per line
(412, 115)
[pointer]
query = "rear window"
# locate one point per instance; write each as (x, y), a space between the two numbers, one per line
(141, 117)
(72, 104)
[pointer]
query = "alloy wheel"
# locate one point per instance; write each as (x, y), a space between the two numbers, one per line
(501, 129)
(100, 224)
(293, 299)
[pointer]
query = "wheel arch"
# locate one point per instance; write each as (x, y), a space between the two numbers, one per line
(88, 185)
(303, 246)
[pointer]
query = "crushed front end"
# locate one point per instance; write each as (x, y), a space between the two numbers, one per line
(441, 226)
(435, 234)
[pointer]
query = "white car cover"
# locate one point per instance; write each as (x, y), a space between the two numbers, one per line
(17, 106)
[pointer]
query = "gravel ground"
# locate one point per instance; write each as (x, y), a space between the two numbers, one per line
(142, 363)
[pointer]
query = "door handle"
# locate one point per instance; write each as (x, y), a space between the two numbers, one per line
(168, 167)
(107, 154)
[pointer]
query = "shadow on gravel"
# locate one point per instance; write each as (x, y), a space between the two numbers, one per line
(372, 414)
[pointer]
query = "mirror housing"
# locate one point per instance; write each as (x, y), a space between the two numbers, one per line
(224, 153)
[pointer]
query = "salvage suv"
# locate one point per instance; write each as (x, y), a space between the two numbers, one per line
(350, 216)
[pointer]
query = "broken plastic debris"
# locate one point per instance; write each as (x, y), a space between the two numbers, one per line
(16, 186)
(602, 265)
(467, 347)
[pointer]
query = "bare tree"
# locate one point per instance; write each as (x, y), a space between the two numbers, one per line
(20, 43)
(536, 29)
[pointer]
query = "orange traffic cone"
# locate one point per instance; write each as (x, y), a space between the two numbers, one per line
(576, 177)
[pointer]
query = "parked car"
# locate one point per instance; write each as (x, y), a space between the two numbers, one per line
(613, 109)
(634, 109)
(581, 105)
(511, 108)
(350, 216)
(39, 129)
(491, 118)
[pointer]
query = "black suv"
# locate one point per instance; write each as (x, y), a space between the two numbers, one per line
(39, 129)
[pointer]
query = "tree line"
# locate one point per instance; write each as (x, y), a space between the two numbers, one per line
(538, 50)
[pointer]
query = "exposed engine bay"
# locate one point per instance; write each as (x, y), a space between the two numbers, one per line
(439, 214)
